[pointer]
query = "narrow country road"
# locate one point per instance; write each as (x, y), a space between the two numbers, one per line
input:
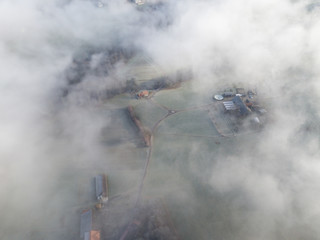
(149, 153)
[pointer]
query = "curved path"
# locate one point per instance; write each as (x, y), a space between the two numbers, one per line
(149, 153)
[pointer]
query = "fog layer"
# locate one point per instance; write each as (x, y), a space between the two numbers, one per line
(50, 124)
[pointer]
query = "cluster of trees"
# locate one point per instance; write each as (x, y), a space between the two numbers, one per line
(82, 67)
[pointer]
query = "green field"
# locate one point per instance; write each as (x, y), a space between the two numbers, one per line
(148, 112)
(194, 122)
(182, 97)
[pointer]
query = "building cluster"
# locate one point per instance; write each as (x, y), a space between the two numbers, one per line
(242, 104)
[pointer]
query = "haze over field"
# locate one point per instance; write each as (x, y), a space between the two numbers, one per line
(51, 125)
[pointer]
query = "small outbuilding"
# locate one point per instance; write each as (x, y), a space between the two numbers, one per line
(229, 93)
(143, 94)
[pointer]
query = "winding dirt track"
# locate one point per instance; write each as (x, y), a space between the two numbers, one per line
(149, 153)
(153, 130)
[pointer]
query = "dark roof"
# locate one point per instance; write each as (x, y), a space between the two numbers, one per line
(242, 107)
(101, 188)
(86, 222)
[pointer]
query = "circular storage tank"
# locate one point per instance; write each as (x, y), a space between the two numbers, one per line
(218, 97)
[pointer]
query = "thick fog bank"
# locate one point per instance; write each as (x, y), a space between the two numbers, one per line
(49, 120)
